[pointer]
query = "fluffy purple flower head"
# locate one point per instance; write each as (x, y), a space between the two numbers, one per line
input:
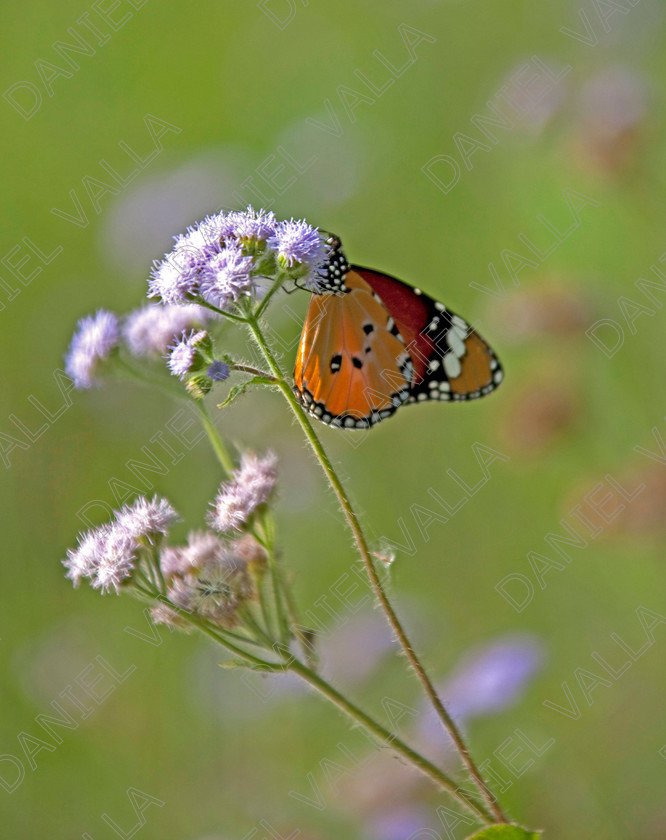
(147, 517)
(164, 614)
(202, 547)
(218, 371)
(95, 337)
(81, 561)
(227, 276)
(206, 237)
(216, 584)
(231, 509)
(117, 561)
(298, 243)
(250, 487)
(107, 556)
(175, 278)
(150, 329)
(173, 561)
(258, 475)
(183, 353)
(252, 224)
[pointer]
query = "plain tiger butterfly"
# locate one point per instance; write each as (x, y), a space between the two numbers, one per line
(371, 344)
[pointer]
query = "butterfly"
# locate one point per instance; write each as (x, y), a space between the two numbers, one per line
(371, 344)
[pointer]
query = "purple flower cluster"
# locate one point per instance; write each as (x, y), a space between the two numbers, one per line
(108, 555)
(207, 577)
(219, 258)
(95, 338)
(250, 487)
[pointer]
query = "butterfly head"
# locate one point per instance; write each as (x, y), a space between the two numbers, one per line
(335, 268)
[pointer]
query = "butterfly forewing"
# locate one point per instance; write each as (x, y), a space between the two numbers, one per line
(351, 369)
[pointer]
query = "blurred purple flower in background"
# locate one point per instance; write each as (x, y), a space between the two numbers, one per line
(150, 329)
(356, 648)
(399, 823)
(95, 338)
(614, 108)
(615, 99)
(489, 679)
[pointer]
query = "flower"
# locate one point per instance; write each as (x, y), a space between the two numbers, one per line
(183, 354)
(150, 329)
(299, 244)
(250, 487)
(95, 338)
(106, 555)
(117, 561)
(252, 224)
(202, 547)
(216, 584)
(173, 561)
(227, 276)
(164, 614)
(175, 278)
(207, 235)
(147, 518)
(81, 561)
(218, 371)
(250, 549)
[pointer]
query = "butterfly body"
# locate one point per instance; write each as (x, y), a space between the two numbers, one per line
(371, 343)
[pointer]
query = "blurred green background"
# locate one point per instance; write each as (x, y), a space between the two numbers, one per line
(237, 84)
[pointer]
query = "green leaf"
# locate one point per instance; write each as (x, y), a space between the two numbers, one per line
(505, 832)
(239, 390)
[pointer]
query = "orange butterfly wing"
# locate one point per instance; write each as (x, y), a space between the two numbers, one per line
(352, 369)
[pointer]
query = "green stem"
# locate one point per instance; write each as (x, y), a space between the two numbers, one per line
(255, 372)
(273, 289)
(123, 367)
(387, 738)
(218, 311)
(375, 582)
(223, 456)
(276, 584)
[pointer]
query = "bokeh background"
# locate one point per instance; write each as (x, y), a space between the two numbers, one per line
(240, 90)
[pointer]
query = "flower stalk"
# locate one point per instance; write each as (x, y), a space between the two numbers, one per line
(227, 582)
(375, 582)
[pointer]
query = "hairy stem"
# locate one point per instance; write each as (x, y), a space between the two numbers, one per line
(386, 738)
(375, 582)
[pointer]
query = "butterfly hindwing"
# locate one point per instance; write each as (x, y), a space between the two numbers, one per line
(450, 359)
